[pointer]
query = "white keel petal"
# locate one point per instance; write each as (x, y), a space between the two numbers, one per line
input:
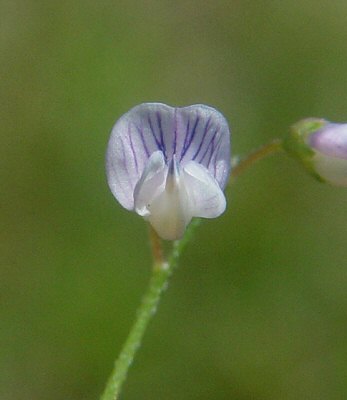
(151, 183)
(161, 198)
(170, 210)
(206, 198)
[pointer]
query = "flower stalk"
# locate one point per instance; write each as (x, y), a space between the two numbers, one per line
(145, 312)
(162, 270)
(264, 151)
(171, 165)
(160, 275)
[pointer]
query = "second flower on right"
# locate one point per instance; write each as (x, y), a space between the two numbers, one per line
(322, 147)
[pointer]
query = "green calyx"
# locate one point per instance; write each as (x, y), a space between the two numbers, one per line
(297, 146)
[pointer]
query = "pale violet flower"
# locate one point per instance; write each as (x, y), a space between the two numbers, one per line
(322, 147)
(170, 164)
(330, 160)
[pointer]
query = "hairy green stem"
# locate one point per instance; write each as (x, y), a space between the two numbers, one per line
(158, 283)
(144, 314)
(161, 272)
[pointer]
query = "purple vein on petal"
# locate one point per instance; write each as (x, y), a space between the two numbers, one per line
(125, 158)
(203, 138)
(210, 145)
(132, 149)
(175, 132)
(153, 133)
(189, 141)
(216, 150)
(214, 168)
(140, 131)
(211, 154)
(163, 147)
(185, 139)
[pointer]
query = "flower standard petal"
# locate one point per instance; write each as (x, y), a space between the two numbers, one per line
(205, 138)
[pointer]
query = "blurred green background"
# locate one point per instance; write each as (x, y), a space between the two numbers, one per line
(258, 308)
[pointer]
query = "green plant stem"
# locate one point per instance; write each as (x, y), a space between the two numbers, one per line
(158, 283)
(161, 272)
(144, 314)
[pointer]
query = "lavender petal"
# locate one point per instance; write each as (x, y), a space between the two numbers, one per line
(196, 132)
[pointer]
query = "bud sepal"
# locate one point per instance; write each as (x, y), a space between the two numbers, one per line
(321, 146)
